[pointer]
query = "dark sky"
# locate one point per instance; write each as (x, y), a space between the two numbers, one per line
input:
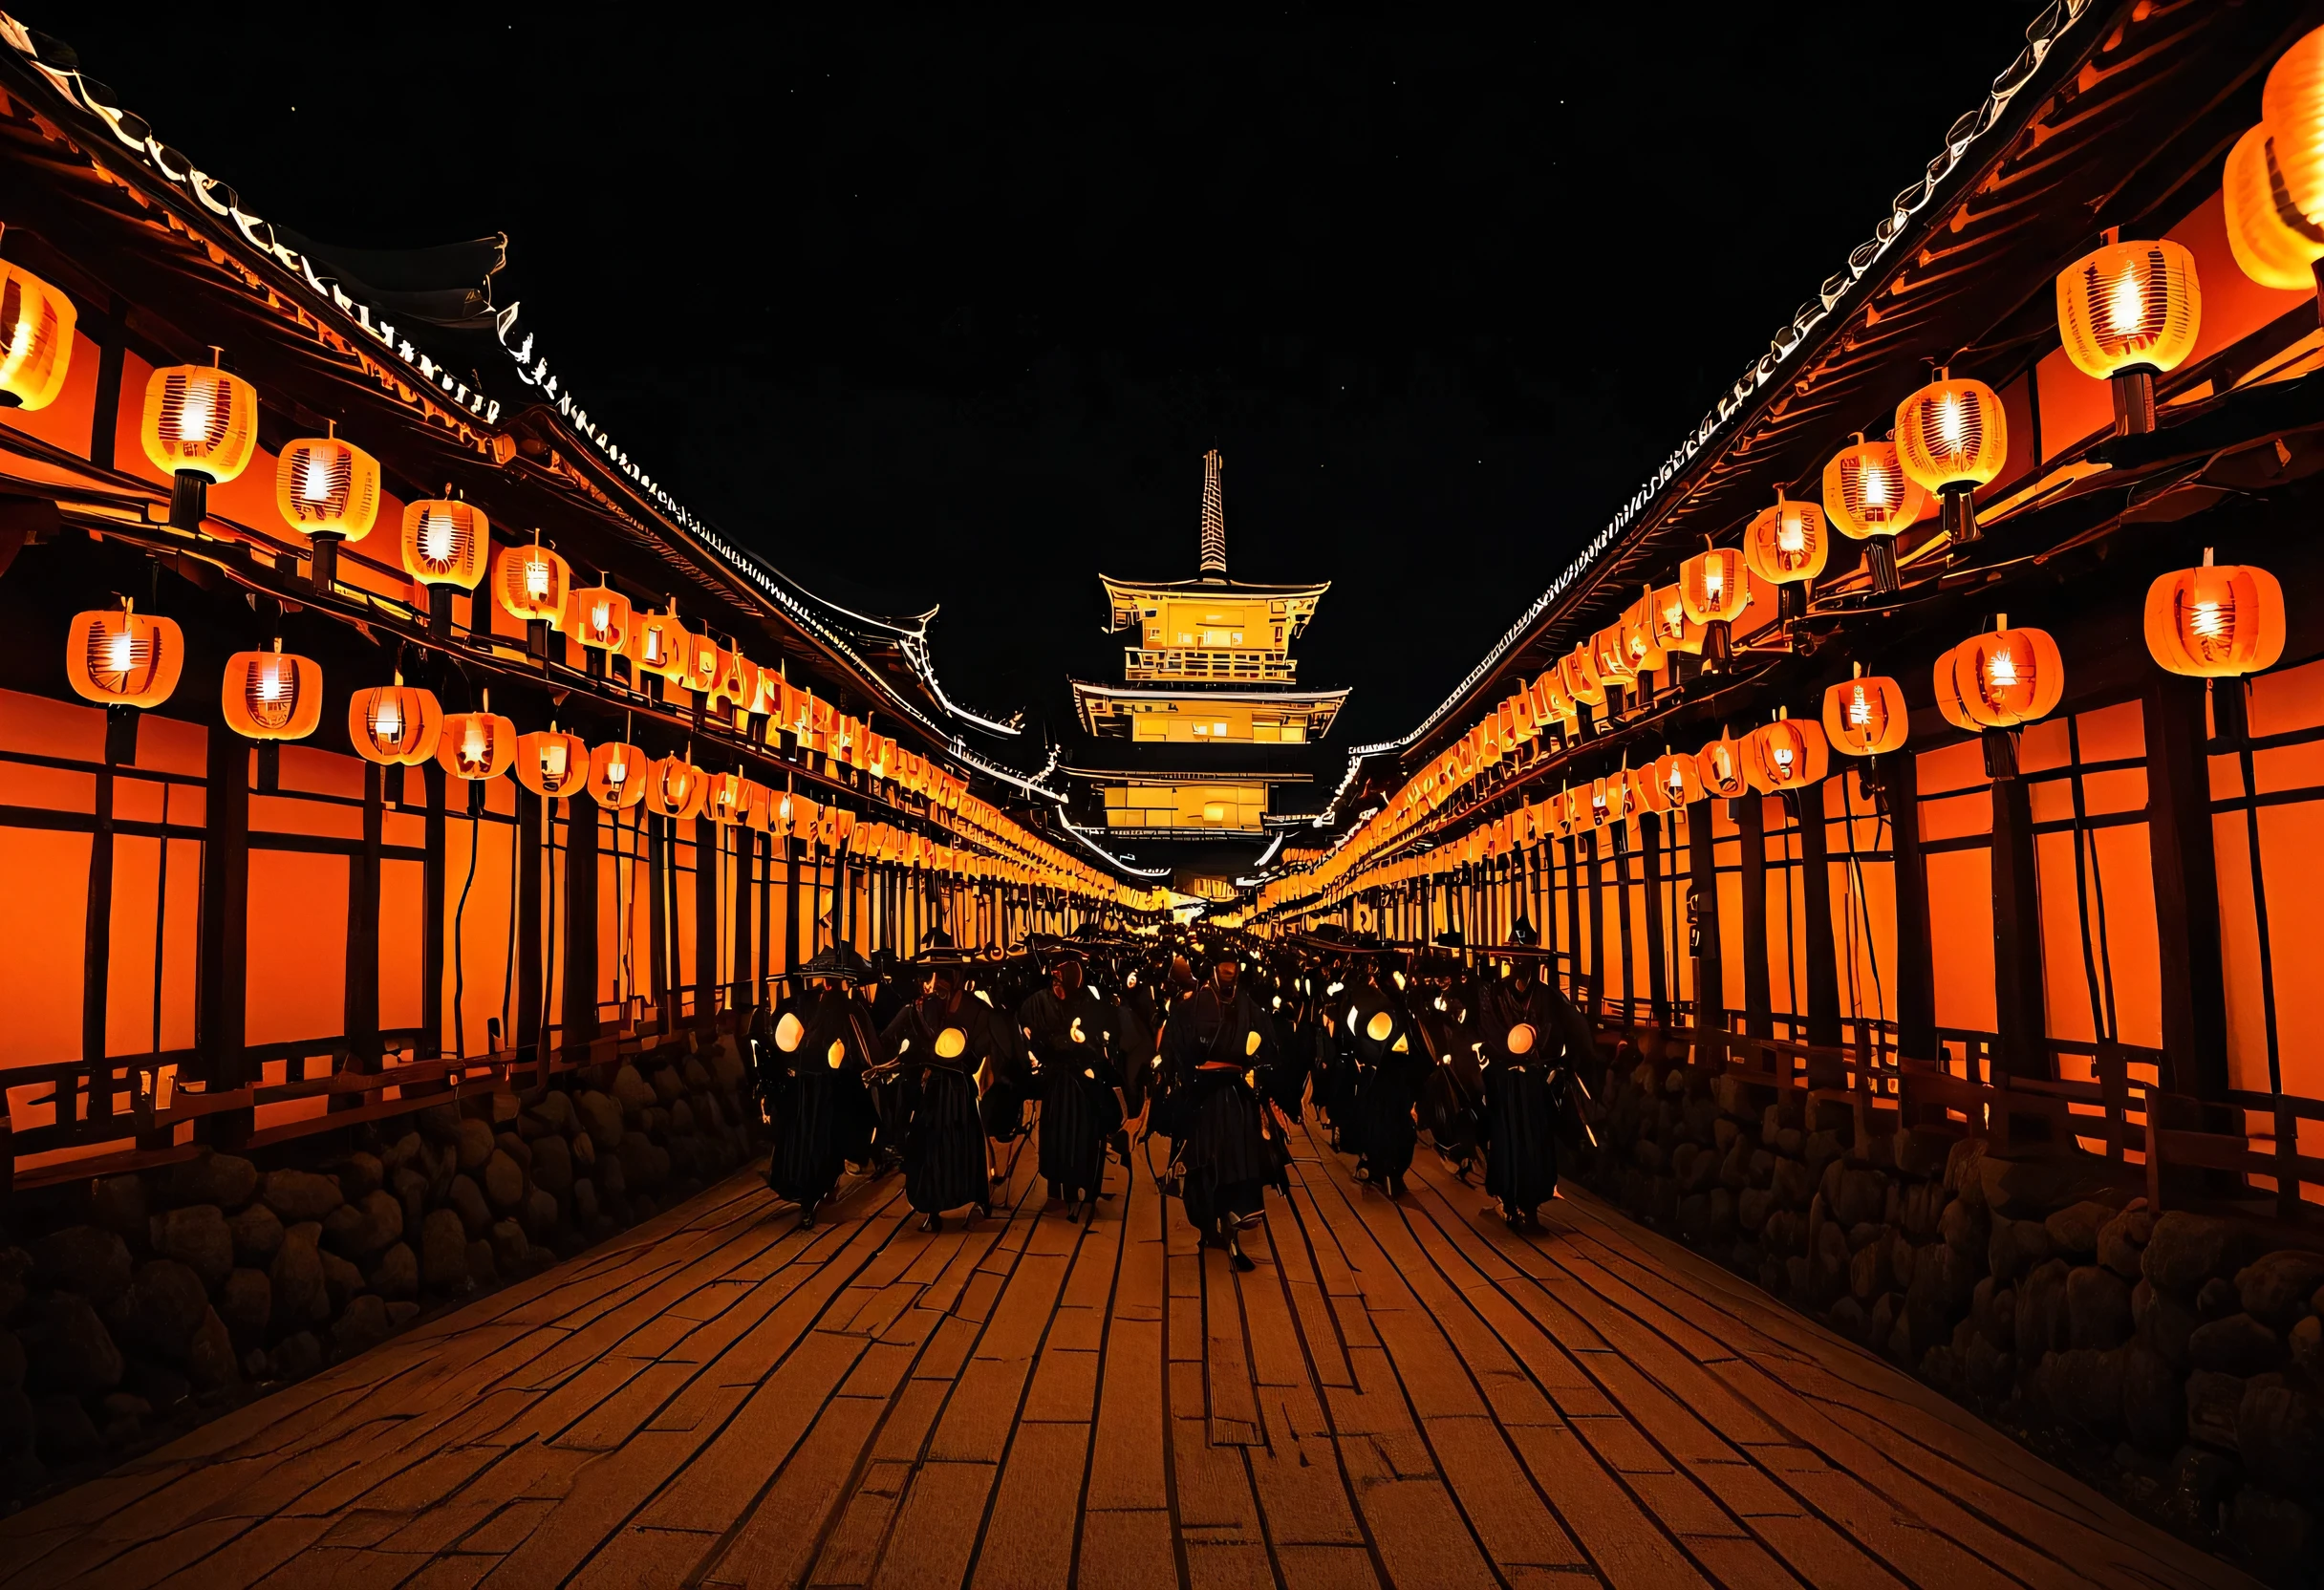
(940, 308)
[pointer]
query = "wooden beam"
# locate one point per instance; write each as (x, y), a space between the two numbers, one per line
(1703, 920)
(221, 983)
(2186, 888)
(1759, 1005)
(579, 1016)
(531, 840)
(434, 785)
(1815, 920)
(705, 918)
(1916, 979)
(1658, 981)
(364, 1049)
(97, 947)
(2017, 944)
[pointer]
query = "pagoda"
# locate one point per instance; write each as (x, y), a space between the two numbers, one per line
(1209, 717)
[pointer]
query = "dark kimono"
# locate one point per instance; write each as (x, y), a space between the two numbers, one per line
(815, 1060)
(1395, 1062)
(1526, 1035)
(1452, 1098)
(1069, 1039)
(1225, 1152)
(941, 1046)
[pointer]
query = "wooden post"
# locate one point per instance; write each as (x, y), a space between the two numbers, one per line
(2017, 944)
(2186, 889)
(1916, 980)
(658, 918)
(745, 856)
(531, 840)
(97, 954)
(1658, 982)
(705, 921)
(580, 1003)
(1703, 922)
(1758, 1006)
(1588, 856)
(364, 1051)
(1815, 921)
(221, 988)
(1622, 920)
(432, 901)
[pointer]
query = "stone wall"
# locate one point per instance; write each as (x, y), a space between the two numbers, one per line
(2178, 1360)
(134, 1306)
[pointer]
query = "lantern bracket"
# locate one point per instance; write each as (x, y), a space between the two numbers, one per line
(2000, 754)
(121, 735)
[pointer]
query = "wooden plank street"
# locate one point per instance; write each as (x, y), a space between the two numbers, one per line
(1399, 1394)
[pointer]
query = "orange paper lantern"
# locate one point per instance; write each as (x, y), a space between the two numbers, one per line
(533, 583)
(1864, 717)
(1580, 674)
(273, 694)
(703, 660)
(618, 774)
(551, 763)
(2127, 312)
(2292, 105)
(1951, 438)
(396, 725)
(726, 798)
(2218, 621)
(199, 425)
(1787, 543)
(2274, 244)
(2007, 677)
(476, 745)
(37, 324)
(122, 657)
(1791, 753)
(1869, 497)
(1720, 764)
(599, 618)
(1679, 777)
(1675, 629)
(658, 644)
(324, 487)
(676, 789)
(446, 542)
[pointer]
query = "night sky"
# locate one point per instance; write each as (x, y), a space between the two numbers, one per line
(933, 307)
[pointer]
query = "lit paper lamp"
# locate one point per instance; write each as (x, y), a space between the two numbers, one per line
(199, 425)
(1720, 765)
(1951, 439)
(551, 763)
(119, 657)
(328, 490)
(658, 646)
(1715, 591)
(395, 725)
(1869, 498)
(2216, 622)
(37, 324)
(598, 618)
(1787, 545)
(271, 696)
(1679, 777)
(1864, 717)
(675, 789)
(2274, 244)
(617, 775)
(1789, 754)
(444, 545)
(2127, 312)
(477, 745)
(2003, 681)
(531, 584)
(726, 798)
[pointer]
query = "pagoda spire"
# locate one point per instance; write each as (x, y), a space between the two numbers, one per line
(1214, 520)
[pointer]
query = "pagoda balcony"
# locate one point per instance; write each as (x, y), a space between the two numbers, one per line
(1254, 665)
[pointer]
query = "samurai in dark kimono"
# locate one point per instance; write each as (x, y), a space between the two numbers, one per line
(1135, 1020)
(1215, 1035)
(1531, 1033)
(1452, 1098)
(942, 1039)
(1064, 1027)
(1334, 1063)
(1395, 1062)
(820, 1044)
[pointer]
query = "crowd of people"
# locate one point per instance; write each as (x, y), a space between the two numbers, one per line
(1194, 1053)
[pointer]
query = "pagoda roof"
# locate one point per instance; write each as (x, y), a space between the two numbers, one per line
(1244, 588)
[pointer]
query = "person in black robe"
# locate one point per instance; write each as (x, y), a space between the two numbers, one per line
(820, 1044)
(1452, 1096)
(942, 1040)
(1334, 1063)
(1530, 1033)
(1215, 1037)
(1135, 1026)
(1064, 1028)
(1394, 1063)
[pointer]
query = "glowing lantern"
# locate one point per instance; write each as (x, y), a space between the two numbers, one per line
(199, 425)
(617, 775)
(1641, 643)
(37, 324)
(659, 645)
(1610, 799)
(1720, 765)
(1791, 753)
(551, 763)
(675, 787)
(738, 680)
(2277, 245)
(2126, 313)
(1674, 628)
(396, 725)
(1870, 497)
(2292, 105)
(476, 745)
(1946, 677)
(703, 660)
(1864, 717)
(124, 658)
(531, 584)
(1951, 439)
(273, 694)
(1787, 545)
(329, 491)
(1646, 794)
(2009, 677)
(444, 542)
(599, 618)
(726, 798)
(1679, 777)
(1715, 591)
(2217, 622)
(1580, 673)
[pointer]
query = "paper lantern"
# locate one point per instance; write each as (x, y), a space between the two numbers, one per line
(1864, 717)
(2292, 105)
(1646, 795)
(1679, 777)
(1868, 496)
(1951, 439)
(599, 618)
(551, 763)
(2274, 244)
(1715, 590)
(703, 660)
(1720, 765)
(116, 656)
(396, 725)
(1641, 639)
(738, 680)
(1610, 799)
(444, 542)
(804, 817)
(476, 745)
(531, 584)
(199, 425)
(37, 324)
(2009, 677)
(617, 775)
(675, 787)
(659, 645)
(1609, 658)
(273, 694)
(1791, 753)
(1946, 677)
(1579, 675)
(2217, 622)
(1676, 630)
(1787, 545)
(327, 488)
(2127, 312)
(726, 798)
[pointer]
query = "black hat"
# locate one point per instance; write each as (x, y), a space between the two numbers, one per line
(837, 962)
(1520, 932)
(1451, 940)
